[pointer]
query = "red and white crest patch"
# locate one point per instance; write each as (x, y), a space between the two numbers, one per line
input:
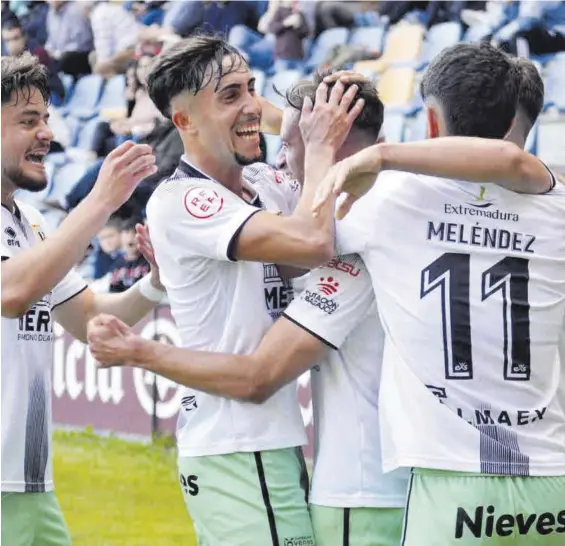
(202, 202)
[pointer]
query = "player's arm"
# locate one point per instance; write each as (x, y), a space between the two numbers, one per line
(285, 352)
(479, 160)
(29, 275)
(463, 158)
(313, 324)
(301, 239)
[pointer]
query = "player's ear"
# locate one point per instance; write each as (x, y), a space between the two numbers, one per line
(432, 122)
(183, 122)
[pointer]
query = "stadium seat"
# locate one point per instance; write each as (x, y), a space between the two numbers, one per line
(403, 44)
(437, 39)
(84, 98)
(532, 141)
(393, 126)
(368, 37)
(280, 81)
(68, 84)
(259, 81)
(113, 96)
(416, 127)
(64, 181)
(396, 86)
(554, 80)
(323, 45)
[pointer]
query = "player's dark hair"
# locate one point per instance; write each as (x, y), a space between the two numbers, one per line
(12, 24)
(189, 66)
(531, 94)
(24, 74)
(476, 86)
(129, 224)
(369, 120)
(114, 222)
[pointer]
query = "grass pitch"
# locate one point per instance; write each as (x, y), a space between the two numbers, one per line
(119, 493)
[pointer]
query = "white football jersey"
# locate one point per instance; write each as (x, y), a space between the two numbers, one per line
(27, 358)
(338, 307)
(223, 305)
(470, 282)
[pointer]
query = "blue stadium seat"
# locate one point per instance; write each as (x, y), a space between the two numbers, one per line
(86, 132)
(393, 126)
(84, 98)
(554, 80)
(416, 127)
(281, 81)
(532, 141)
(64, 180)
(369, 37)
(438, 38)
(114, 95)
(323, 45)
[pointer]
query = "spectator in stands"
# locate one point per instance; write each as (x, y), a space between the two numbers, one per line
(109, 247)
(131, 266)
(289, 26)
(139, 123)
(116, 33)
(69, 37)
(33, 18)
(148, 13)
(541, 24)
(16, 43)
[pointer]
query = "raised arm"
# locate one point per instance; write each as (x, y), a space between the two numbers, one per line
(31, 274)
(301, 239)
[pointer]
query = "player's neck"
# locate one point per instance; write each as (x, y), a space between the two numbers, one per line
(228, 176)
(8, 190)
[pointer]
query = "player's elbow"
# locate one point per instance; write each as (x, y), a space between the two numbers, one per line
(259, 387)
(532, 175)
(14, 302)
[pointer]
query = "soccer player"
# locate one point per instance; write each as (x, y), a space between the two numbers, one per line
(471, 293)
(240, 465)
(38, 287)
(334, 327)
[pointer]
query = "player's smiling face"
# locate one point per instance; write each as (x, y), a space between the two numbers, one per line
(26, 138)
(227, 116)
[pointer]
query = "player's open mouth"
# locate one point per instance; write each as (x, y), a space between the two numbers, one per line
(249, 132)
(37, 157)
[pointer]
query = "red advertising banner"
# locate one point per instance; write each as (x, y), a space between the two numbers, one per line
(127, 400)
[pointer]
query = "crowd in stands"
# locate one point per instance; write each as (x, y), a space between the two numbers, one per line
(98, 53)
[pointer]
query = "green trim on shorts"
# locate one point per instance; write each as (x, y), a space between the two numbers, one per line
(356, 526)
(248, 499)
(463, 509)
(33, 519)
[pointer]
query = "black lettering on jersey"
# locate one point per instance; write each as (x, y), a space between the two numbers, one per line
(278, 291)
(485, 523)
(36, 320)
(530, 242)
(189, 485)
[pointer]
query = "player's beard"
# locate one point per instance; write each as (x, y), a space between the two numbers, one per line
(16, 175)
(244, 161)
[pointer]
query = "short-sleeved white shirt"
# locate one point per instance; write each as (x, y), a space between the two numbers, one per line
(223, 305)
(27, 357)
(470, 282)
(338, 307)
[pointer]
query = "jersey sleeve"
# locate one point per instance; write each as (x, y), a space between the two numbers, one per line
(335, 299)
(197, 218)
(71, 285)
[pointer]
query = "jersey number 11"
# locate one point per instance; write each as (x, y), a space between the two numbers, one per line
(450, 273)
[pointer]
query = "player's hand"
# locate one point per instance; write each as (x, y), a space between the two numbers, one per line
(111, 342)
(346, 77)
(329, 120)
(145, 246)
(123, 169)
(353, 176)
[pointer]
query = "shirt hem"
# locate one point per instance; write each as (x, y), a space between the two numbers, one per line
(246, 447)
(20, 487)
(346, 501)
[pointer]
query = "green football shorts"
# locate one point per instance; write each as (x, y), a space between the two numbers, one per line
(248, 499)
(356, 526)
(33, 519)
(461, 509)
